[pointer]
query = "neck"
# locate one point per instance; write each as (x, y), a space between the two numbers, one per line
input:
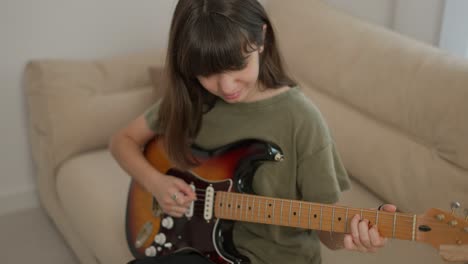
(307, 215)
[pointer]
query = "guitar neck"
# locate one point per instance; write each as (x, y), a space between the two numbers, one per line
(307, 215)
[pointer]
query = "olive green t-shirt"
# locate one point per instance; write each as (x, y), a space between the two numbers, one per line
(312, 170)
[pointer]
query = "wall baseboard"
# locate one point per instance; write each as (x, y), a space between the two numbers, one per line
(17, 201)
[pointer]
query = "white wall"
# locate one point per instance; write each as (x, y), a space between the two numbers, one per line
(378, 12)
(454, 35)
(32, 29)
(418, 19)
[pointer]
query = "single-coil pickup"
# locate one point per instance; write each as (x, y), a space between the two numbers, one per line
(209, 201)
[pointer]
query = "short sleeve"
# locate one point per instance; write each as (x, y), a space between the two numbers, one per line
(322, 176)
(151, 116)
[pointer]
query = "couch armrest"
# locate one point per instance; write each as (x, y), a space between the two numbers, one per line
(75, 106)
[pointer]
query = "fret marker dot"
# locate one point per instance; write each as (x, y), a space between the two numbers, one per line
(315, 215)
(339, 218)
(250, 208)
(238, 207)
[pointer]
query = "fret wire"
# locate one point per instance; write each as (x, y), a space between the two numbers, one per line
(241, 207)
(361, 212)
(253, 207)
(237, 206)
(333, 219)
(321, 214)
(346, 222)
(394, 224)
(225, 195)
(299, 215)
(274, 207)
(258, 217)
(414, 228)
(377, 217)
(266, 207)
(247, 208)
(281, 212)
(232, 200)
(290, 210)
(220, 195)
(310, 209)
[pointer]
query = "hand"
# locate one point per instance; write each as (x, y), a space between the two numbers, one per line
(365, 238)
(173, 195)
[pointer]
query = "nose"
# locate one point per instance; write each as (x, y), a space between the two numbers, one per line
(226, 83)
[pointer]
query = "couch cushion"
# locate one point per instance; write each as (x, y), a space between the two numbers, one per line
(76, 105)
(93, 190)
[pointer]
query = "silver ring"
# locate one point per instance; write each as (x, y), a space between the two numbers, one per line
(174, 197)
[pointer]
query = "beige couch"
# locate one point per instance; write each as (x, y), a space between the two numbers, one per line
(397, 109)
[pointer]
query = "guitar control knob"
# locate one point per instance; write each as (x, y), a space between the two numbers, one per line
(151, 251)
(168, 245)
(440, 217)
(160, 239)
(168, 222)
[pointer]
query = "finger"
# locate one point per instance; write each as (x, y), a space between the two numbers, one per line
(186, 190)
(175, 214)
(364, 238)
(179, 209)
(176, 211)
(182, 200)
(355, 230)
(375, 238)
(348, 242)
(174, 197)
(388, 208)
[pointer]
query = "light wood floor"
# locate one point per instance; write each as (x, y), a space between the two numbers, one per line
(29, 236)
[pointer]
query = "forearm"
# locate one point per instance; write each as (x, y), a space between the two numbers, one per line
(130, 158)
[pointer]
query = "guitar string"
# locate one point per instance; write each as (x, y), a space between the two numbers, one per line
(328, 210)
(400, 232)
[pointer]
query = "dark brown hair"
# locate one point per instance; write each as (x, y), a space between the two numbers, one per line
(209, 37)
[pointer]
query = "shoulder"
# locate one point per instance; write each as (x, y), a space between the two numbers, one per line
(304, 109)
(310, 125)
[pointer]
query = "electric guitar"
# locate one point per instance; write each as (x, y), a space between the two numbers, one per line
(223, 184)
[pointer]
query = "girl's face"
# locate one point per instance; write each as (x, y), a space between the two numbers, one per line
(235, 86)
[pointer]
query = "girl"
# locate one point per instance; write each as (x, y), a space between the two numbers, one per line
(225, 82)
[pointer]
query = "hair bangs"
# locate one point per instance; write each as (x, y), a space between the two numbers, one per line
(215, 45)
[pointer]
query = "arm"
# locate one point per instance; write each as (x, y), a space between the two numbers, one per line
(126, 146)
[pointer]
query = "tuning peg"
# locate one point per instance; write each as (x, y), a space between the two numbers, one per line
(455, 206)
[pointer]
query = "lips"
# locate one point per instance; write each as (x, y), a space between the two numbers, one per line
(231, 96)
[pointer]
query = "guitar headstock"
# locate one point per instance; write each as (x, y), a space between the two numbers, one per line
(446, 232)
